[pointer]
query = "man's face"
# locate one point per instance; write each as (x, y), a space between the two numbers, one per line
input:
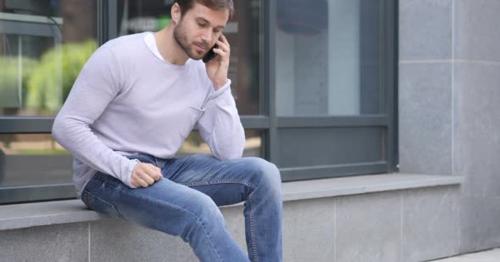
(199, 28)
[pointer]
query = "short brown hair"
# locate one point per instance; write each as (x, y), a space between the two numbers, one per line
(212, 4)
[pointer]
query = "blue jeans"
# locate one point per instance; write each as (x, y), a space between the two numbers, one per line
(184, 203)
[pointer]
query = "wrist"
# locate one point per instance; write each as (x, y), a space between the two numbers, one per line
(132, 167)
(218, 84)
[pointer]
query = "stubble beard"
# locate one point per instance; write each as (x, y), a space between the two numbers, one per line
(181, 39)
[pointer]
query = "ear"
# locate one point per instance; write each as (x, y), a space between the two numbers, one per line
(175, 13)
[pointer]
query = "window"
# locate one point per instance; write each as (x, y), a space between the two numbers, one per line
(314, 82)
(43, 46)
(332, 71)
(328, 57)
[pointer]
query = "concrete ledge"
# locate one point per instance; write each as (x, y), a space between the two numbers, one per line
(71, 211)
(45, 213)
(343, 186)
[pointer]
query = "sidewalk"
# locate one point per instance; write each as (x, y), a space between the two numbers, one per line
(484, 256)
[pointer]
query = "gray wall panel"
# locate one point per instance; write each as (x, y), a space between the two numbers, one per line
(327, 146)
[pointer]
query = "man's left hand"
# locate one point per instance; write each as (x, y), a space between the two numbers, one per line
(217, 68)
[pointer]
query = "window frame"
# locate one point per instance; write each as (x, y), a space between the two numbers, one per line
(387, 120)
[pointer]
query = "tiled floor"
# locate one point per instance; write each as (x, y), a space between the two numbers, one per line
(485, 256)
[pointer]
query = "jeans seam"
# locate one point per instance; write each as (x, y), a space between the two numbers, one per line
(252, 234)
(252, 225)
(197, 219)
(253, 244)
(214, 182)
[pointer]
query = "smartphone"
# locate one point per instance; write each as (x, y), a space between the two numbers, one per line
(210, 55)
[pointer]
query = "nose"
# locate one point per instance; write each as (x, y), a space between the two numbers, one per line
(207, 36)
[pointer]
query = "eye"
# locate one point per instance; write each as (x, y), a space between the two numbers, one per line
(202, 24)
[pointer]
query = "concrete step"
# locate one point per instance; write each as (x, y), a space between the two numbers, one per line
(484, 256)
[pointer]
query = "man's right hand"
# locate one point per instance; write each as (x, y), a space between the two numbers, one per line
(145, 174)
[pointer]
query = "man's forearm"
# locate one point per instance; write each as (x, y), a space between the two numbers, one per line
(76, 136)
(221, 126)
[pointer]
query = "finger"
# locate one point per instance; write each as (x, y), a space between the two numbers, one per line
(138, 182)
(220, 52)
(143, 178)
(224, 39)
(160, 174)
(147, 178)
(154, 172)
(223, 45)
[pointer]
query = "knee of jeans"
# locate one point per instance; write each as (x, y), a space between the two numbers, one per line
(265, 174)
(204, 209)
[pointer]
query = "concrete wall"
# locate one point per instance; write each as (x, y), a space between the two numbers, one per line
(449, 104)
(388, 226)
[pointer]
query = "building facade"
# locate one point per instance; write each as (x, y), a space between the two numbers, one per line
(382, 116)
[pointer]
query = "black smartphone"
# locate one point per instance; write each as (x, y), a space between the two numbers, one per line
(210, 55)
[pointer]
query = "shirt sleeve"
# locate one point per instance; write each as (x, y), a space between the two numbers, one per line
(95, 87)
(220, 124)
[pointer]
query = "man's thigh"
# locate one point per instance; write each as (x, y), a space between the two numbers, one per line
(164, 206)
(225, 181)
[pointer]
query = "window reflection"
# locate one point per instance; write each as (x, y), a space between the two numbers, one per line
(43, 46)
(328, 57)
(194, 144)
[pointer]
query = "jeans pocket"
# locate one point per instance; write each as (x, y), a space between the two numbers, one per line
(99, 205)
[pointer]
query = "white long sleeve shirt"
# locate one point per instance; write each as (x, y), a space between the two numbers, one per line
(127, 100)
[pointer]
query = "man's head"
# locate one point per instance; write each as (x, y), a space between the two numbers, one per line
(199, 23)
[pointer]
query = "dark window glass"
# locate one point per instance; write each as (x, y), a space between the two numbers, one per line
(33, 159)
(330, 146)
(194, 144)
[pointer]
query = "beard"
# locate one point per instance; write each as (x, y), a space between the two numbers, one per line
(180, 37)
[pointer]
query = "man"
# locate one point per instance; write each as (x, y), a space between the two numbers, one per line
(130, 109)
